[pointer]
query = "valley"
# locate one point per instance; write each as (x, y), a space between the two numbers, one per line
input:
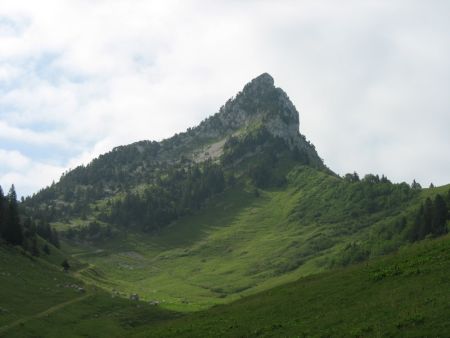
(400, 294)
(241, 244)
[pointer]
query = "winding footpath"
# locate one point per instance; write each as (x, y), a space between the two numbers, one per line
(50, 310)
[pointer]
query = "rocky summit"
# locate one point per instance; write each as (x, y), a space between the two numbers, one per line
(260, 104)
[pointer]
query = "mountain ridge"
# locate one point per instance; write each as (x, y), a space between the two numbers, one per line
(259, 108)
(258, 103)
(261, 102)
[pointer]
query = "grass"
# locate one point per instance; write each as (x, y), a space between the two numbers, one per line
(29, 285)
(246, 265)
(97, 315)
(403, 294)
(240, 243)
(38, 299)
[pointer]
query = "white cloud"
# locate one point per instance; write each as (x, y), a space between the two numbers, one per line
(28, 136)
(25, 174)
(13, 159)
(370, 78)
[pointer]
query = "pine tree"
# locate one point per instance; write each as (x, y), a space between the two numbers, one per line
(417, 231)
(440, 215)
(34, 247)
(44, 230)
(427, 218)
(13, 229)
(46, 249)
(29, 231)
(448, 203)
(415, 185)
(55, 238)
(66, 266)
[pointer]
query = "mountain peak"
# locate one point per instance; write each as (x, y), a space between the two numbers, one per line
(259, 86)
(263, 80)
(260, 104)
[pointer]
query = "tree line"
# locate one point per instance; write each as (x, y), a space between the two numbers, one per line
(17, 229)
(431, 218)
(10, 226)
(180, 192)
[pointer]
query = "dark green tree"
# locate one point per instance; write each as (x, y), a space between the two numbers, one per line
(34, 247)
(415, 185)
(439, 216)
(65, 264)
(55, 238)
(430, 219)
(427, 218)
(350, 178)
(29, 228)
(46, 249)
(13, 230)
(44, 230)
(448, 203)
(417, 231)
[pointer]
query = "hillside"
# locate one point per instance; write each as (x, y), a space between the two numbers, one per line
(242, 242)
(31, 284)
(404, 294)
(34, 291)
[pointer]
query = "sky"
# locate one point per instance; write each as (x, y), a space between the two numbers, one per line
(371, 79)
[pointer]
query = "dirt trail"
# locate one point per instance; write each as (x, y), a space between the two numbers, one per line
(50, 310)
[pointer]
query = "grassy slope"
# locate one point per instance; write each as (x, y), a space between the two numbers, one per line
(37, 299)
(97, 315)
(29, 285)
(241, 244)
(405, 294)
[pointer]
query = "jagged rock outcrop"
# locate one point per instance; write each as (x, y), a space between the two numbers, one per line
(259, 103)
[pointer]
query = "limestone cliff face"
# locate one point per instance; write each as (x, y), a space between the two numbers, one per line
(259, 103)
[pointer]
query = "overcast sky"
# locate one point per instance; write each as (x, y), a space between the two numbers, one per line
(371, 79)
